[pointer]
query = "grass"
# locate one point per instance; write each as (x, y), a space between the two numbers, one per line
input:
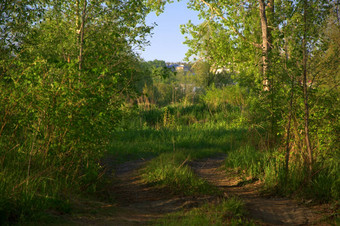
(269, 166)
(29, 195)
(53, 178)
(187, 133)
(170, 169)
(225, 212)
(172, 148)
(198, 139)
(172, 137)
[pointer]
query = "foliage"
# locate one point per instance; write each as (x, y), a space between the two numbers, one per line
(224, 98)
(64, 79)
(288, 80)
(70, 82)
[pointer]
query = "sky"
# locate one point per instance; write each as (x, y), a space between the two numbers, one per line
(167, 40)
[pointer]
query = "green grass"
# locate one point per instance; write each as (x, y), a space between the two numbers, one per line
(66, 171)
(225, 212)
(28, 195)
(170, 169)
(172, 136)
(197, 139)
(246, 159)
(173, 146)
(269, 166)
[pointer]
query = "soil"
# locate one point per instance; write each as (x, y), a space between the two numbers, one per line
(137, 203)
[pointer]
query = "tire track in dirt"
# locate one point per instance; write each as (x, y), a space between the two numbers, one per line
(270, 211)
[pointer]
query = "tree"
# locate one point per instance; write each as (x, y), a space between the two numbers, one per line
(66, 71)
(280, 48)
(305, 92)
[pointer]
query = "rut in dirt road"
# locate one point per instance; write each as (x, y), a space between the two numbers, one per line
(271, 211)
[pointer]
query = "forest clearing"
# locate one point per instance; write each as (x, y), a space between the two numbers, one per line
(243, 131)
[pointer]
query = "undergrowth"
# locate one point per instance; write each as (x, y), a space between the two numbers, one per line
(34, 182)
(269, 166)
(28, 190)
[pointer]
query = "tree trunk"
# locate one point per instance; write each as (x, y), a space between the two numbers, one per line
(287, 154)
(271, 86)
(267, 84)
(305, 91)
(270, 20)
(77, 23)
(288, 129)
(81, 42)
(265, 46)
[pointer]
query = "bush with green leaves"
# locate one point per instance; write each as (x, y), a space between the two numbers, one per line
(63, 83)
(54, 131)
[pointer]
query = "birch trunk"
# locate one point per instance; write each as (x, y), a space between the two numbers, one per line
(81, 41)
(305, 91)
(265, 45)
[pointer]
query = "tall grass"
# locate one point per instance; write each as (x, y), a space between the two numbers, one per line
(30, 186)
(162, 130)
(148, 142)
(203, 129)
(269, 166)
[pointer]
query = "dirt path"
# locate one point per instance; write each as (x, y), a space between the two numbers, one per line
(270, 211)
(144, 203)
(136, 203)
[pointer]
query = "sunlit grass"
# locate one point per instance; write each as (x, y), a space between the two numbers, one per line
(171, 170)
(269, 167)
(197, 139)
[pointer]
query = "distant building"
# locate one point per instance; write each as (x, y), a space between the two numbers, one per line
(178, 67)
(182, 67)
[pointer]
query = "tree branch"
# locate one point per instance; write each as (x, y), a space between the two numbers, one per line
(231, 26)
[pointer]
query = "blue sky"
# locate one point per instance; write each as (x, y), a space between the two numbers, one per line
(167, 40)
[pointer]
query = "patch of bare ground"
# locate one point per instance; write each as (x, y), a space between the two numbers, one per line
(267, 210)
(135, 202)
